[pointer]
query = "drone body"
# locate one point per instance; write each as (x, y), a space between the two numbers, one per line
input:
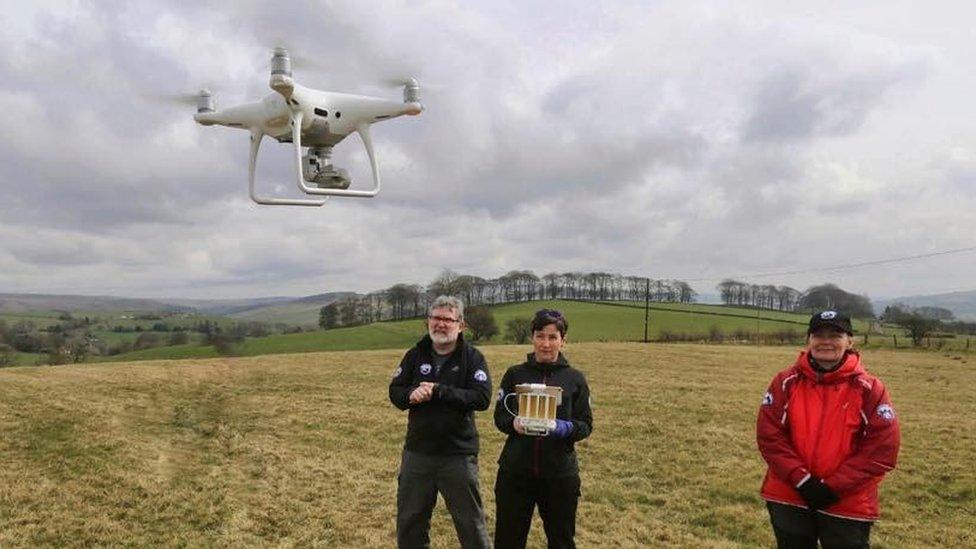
(309, 119)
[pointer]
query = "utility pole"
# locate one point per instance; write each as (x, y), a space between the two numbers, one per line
(647, 304)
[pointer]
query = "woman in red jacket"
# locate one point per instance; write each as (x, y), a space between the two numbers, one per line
(829, 434)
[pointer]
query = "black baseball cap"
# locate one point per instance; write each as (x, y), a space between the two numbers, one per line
(834, 319)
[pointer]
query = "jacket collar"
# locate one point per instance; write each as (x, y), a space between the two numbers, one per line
(561, 362)
(849, 367)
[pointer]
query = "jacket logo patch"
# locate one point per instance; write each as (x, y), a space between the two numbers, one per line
(886, 412)
(501, 394)
(481, 376)
(767, 399)
(397, 372)
(424, 369)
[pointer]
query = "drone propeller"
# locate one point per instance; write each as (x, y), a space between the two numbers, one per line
(172, 98)
(202, 99)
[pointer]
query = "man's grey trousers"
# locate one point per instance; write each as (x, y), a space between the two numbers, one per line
(456, 478)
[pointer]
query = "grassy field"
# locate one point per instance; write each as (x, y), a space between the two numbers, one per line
(302, 450)
(309, 315)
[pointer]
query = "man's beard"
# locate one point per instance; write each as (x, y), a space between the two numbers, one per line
(442, 339)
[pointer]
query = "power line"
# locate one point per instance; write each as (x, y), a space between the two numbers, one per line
(839, 267)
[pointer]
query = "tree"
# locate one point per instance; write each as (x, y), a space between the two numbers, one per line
(917, 326)
(6, 355)
(257, 329)
(179, 338)
(347, 312)
(685, 292)
(444, 284)
(329, 316)
(936, 313)
(225, 343)
(519, 329)
(147, 340)
(829, 296)
(78, 349)
(481, 323)
(58, 355)
(894, 312)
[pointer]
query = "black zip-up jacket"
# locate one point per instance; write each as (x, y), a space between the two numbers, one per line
(443, 425)
(544, 456)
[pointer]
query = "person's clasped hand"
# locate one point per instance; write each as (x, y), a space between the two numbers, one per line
(817, 494)
(423, 393)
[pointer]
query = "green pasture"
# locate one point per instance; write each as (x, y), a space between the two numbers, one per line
(301, 450)
(588, 322)
(722, 310)
(624, 321)
(41, 319)
(380, 335)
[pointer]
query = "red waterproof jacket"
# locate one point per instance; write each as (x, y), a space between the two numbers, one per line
(838, 426)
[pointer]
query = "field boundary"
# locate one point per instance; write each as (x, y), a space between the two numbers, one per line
(710, 313)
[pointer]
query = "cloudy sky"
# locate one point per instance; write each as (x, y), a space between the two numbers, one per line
(675, 139)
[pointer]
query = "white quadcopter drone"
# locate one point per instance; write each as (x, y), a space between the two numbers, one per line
(309, 118)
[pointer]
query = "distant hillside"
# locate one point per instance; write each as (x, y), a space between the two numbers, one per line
(19, 303)
(228, 306)
(962, 304)
(302, 311)
(290, 310)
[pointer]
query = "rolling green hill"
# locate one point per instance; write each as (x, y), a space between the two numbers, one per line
(295, 312)
(292, 313)
(588, 322)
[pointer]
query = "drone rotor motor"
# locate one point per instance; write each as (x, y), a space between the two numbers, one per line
(205, 102)
(411, 91)
(281, 62)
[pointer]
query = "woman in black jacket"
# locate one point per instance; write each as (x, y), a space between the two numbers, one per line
(541, 470)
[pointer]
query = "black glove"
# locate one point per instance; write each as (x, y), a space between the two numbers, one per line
(817, 494)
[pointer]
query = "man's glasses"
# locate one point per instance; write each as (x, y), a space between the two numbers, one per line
(444, 319)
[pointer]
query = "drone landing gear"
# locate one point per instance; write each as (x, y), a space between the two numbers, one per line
(317, 168)
(256, 137)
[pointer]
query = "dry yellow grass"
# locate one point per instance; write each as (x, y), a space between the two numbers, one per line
(302, 450)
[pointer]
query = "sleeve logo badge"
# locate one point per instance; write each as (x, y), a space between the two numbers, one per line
(886, 412)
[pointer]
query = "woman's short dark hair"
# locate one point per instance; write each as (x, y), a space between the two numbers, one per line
(545, 317)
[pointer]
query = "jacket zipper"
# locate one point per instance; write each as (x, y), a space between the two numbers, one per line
(822, 391)
(537, 446)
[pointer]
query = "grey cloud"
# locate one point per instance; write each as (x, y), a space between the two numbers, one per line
(656, 141)
(803, 101)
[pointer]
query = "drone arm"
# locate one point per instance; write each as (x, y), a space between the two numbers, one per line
(363, 130)
(256, 136)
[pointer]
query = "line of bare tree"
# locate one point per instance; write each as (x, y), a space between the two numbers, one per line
(784, 298)
(410, 300)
